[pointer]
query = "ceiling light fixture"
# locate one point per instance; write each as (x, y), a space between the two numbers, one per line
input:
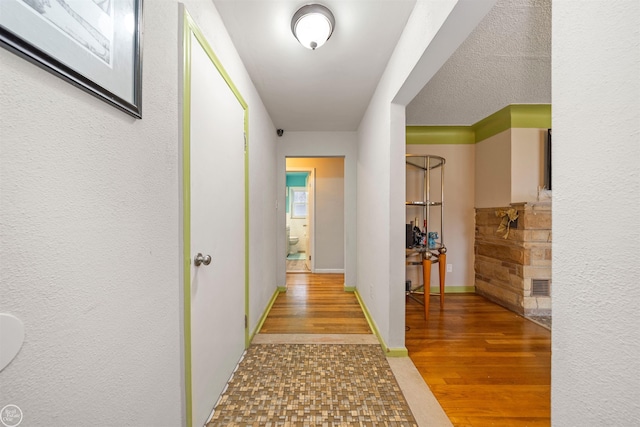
(312, 25)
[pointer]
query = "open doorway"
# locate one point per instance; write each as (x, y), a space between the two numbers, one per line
(314, 215)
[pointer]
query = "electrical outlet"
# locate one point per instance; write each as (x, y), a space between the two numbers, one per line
(449, 268)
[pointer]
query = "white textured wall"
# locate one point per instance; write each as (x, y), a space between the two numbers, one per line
(596, 225)
(433, 32)
(89, 232)
(459, 214)
(321, 144)
(90, 245)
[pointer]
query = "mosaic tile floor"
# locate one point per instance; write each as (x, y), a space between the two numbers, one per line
(313, 385)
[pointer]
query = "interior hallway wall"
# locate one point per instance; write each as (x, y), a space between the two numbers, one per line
(320, 144)
(90, 238)
(433, 32)
(596, 226)
(329, 211)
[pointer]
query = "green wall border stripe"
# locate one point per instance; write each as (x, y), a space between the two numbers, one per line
(531, 116)
(388, 351)
(492, 125)
(440, 135)
(511, 116)
(190, 27)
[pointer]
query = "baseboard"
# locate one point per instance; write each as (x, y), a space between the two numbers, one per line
(388, 351)
(266, 312)
(329, 270)
(282, 289)
(454, 290)
(349, 288)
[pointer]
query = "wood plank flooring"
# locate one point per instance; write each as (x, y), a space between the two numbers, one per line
(485, 364)
(315, 304)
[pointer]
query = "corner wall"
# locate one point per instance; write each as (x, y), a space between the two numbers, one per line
(90, 234)
(433, 32)
(596, 185)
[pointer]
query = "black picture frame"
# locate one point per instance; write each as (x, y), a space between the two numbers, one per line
(75, 42)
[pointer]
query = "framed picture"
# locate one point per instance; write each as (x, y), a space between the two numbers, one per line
(93, 44)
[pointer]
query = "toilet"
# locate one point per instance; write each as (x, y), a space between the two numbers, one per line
(293, 241)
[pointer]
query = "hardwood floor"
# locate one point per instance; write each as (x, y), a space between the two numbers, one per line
(315, 304)
(297, 266)
(485, 364)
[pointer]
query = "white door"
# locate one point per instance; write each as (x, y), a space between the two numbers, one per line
(309, 243)
(217, 218)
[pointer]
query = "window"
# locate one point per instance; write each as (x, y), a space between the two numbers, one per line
(298, 202)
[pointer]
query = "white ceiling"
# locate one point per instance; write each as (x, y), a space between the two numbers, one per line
(505, 60)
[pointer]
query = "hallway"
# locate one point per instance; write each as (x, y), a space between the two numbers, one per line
(484, 364)
(316, 362)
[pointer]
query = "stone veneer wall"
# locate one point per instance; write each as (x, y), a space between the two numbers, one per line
(505, 268)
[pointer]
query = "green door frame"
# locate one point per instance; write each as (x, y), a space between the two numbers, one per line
(189, 28)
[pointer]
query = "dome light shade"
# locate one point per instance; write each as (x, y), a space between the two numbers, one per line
(312, 25)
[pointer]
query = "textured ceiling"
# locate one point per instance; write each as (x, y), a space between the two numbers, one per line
(506, 60)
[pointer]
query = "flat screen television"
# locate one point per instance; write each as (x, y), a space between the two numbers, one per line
(547, 161)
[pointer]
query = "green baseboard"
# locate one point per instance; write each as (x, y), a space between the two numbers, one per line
(282, 289)
(266, 312)
(388, 351)
(349, 288)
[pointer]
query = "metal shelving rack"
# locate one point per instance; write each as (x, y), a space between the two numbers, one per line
(433, 251)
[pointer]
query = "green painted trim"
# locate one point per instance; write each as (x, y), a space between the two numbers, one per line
(494, 124)
(282, 289)
(389, 352)
(190, 27)
(397, 352)
(216, 62)
(349, 288)
(186, 219)
(512, 116)
(247, 257)
(531, 116)
(454, 290)
(440, 135)
(370, 321)
(266, 313)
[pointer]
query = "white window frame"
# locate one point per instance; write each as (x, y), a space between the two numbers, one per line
(292, 208)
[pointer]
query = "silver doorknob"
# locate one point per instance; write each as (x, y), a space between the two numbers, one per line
(202, 259)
